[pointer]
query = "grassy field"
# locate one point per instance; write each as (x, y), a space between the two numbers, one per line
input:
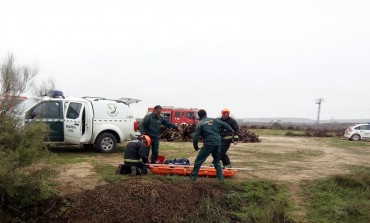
(292, 179)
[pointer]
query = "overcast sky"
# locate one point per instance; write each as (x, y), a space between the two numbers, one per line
(259, 58)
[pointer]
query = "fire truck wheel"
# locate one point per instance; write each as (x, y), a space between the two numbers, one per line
(106, 143)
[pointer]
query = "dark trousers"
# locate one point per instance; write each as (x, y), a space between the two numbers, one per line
(225, 145)
(202, 156)
(140, 166)
(155, 149)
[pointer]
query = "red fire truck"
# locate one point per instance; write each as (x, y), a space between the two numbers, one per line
(179, 115)
(8, 102)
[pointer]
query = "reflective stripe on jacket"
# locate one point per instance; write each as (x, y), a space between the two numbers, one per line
(131, 160)
(225, 133)
(230, 137)
(136, 150)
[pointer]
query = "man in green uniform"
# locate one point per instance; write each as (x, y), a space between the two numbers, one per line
(209, 130)
(151, 125)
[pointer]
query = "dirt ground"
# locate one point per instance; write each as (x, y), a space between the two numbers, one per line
(137, 199)
(310, 159)
(87, 198)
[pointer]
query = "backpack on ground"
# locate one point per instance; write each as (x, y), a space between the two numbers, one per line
(182, 161)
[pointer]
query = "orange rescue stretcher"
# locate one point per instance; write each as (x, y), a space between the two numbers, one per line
(163, 169)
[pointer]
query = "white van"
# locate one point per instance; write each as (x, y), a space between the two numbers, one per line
(87, 120)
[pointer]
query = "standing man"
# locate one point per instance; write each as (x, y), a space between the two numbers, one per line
(135, 150)
(227, 136)
(151, 125)
(209, 130)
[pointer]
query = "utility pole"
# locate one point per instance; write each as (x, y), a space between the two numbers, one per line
(318, 101)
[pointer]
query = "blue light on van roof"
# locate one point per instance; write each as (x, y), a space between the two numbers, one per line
(54, 94)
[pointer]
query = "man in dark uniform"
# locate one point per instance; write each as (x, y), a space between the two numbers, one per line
(135, 150)
(151, 125)
(209, 130)
(227, 136)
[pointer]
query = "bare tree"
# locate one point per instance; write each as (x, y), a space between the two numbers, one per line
(14, 80)
(39, 90)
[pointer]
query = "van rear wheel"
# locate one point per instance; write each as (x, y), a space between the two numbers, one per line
(106, 143)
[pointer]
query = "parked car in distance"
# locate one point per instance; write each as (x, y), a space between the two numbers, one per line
(358, 132)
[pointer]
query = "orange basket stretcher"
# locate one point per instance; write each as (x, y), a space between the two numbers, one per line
(186, 170)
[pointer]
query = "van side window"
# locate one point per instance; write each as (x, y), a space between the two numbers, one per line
(49, 109)
(35, 113)
(74, 110)
(53, 110)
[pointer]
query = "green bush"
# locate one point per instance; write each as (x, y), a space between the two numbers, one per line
(23, 179)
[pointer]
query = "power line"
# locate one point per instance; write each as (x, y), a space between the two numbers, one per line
(318, 101)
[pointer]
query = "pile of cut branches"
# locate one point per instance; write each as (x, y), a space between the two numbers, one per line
(168, 134)
(247, 136)
(173, 135)
(187, 131)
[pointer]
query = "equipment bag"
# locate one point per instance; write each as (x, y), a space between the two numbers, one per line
(182, 161)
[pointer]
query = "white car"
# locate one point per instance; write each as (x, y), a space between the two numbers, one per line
(358, 132)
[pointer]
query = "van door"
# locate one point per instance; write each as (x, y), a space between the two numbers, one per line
(51, 113)
(74, 124)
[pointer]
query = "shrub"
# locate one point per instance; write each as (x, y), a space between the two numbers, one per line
(23, 179)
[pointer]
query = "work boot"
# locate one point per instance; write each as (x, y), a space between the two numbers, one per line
(118, 170)
(133, 170)
(227, 166)
(191, 179)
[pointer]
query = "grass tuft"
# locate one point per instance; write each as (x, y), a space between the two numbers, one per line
(107, 172)
(342, 198)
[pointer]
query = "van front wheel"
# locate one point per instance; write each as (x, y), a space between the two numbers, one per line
(106, 143)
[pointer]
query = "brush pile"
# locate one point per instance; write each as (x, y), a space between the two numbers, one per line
(245, 136)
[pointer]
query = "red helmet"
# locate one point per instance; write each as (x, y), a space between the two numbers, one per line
(225, 111)
(146, 140)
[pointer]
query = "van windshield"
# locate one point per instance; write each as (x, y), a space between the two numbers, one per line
(24, 105)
